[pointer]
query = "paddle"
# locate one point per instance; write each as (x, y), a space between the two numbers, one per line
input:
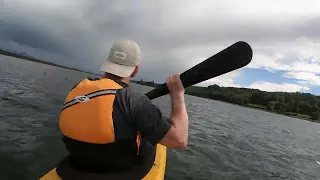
(233, 57)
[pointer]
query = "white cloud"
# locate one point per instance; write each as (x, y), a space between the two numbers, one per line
(306, 78)
(225, 80)
(273, 87)
(191, 55)
(300, 59)
(268, 62)
(302, 54)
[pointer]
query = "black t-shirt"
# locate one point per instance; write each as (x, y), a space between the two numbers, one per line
(133, 111)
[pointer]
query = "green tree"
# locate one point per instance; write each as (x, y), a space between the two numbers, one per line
(283, 108)
(290, 105)
(271, 105)
(316, 116)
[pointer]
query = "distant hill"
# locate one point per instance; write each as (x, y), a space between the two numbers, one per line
(26, 56)
(300, 105)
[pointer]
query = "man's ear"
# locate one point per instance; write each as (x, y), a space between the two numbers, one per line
(135, 71)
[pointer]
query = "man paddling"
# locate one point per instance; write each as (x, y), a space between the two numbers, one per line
(108, 127)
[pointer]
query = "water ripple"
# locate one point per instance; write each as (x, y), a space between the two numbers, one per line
(226, 142)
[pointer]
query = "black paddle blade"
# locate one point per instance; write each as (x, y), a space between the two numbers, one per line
(234, 57)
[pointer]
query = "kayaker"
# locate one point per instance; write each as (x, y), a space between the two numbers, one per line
(109, 127)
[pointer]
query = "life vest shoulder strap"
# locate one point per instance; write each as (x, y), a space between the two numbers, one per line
(86, 97)
(96, 87)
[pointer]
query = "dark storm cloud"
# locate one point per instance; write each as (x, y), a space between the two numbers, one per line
(83, 31)
(309, 27)
(24, 34)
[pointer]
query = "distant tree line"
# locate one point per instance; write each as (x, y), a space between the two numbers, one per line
(300, 105)
(25, 56)
(146, 83)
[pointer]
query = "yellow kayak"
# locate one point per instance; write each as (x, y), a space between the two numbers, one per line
(156, 173)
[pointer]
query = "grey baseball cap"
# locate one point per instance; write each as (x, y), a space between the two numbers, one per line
(123, 57)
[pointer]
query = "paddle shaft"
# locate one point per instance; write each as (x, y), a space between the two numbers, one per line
(233, 57)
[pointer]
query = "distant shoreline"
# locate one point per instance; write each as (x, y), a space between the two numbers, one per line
(193, 91)
(28, 58)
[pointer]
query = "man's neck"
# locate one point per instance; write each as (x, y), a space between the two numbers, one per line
(116, 78)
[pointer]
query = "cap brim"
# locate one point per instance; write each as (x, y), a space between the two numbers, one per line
(117, 69)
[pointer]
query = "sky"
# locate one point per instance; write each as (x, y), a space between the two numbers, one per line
(174, 36)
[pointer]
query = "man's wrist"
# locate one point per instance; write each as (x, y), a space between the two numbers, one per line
(177, 96)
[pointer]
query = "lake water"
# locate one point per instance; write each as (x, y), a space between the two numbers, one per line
(225, 141)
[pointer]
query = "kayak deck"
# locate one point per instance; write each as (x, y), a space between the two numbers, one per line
(156, 173)
(158, 170)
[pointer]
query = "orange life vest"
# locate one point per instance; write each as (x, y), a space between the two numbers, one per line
(87, 112)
